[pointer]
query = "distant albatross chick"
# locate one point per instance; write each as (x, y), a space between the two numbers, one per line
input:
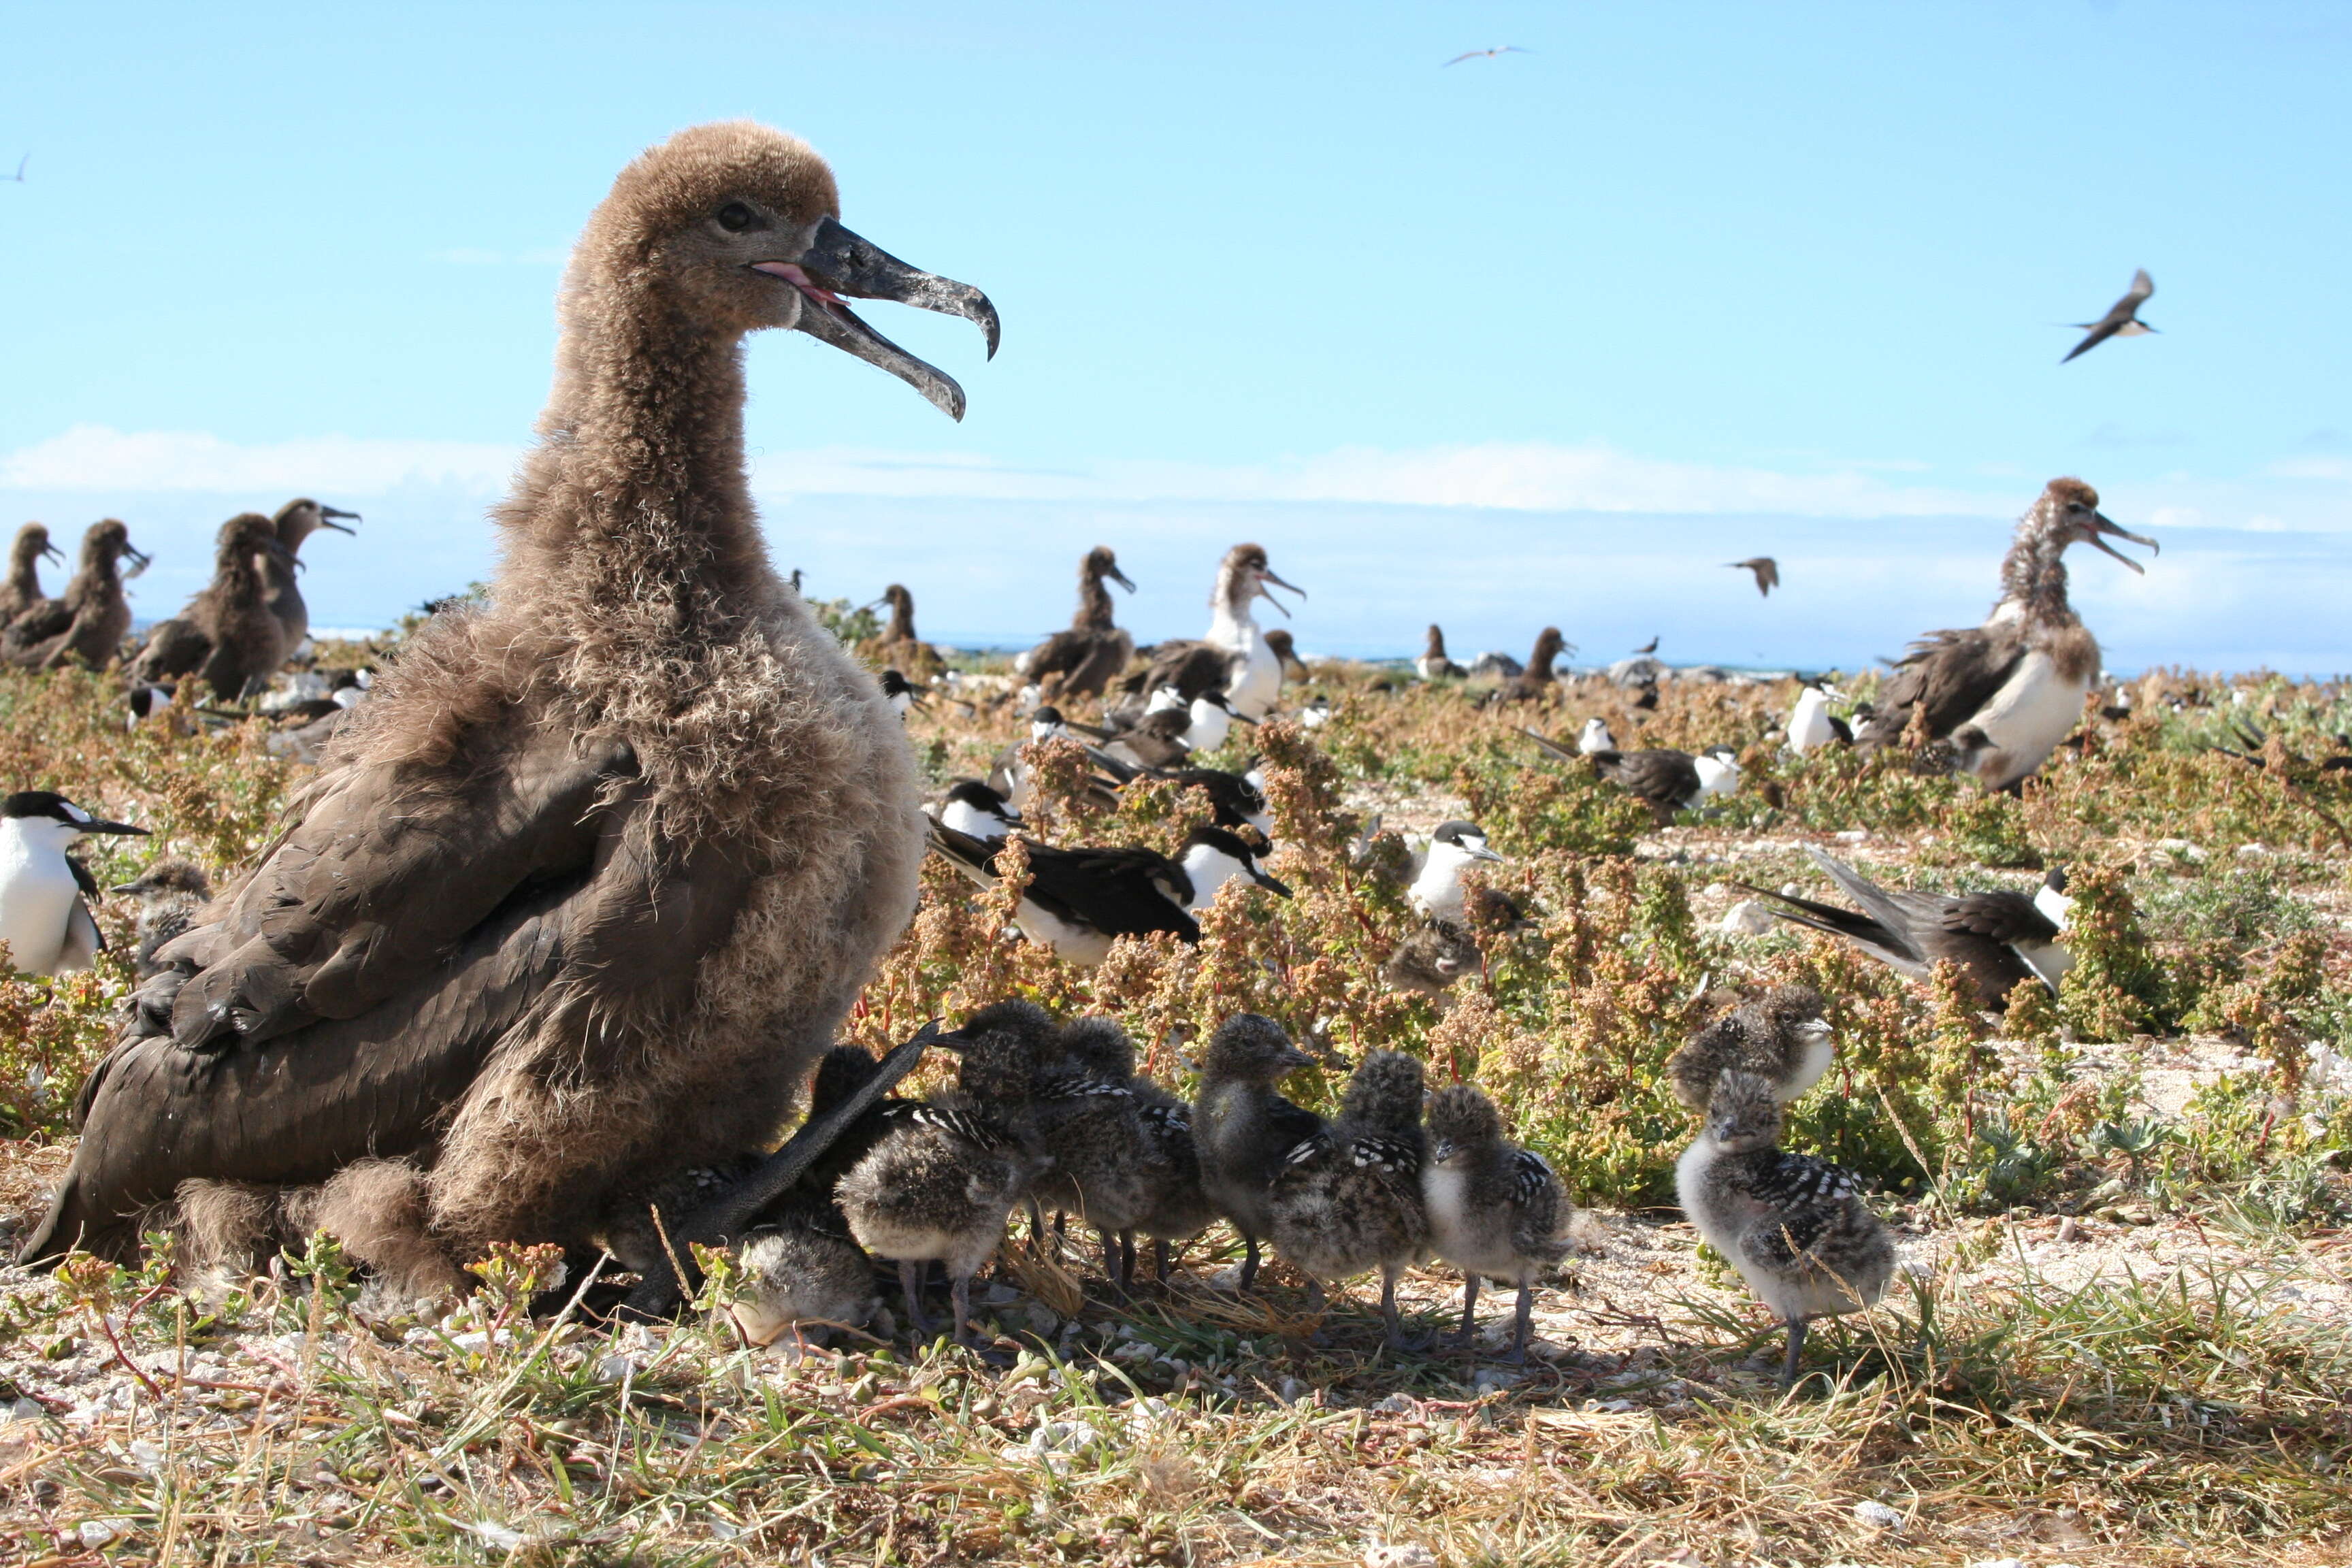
(85, 623)
(23, 589)
(580, 894)
(228, 637)
(1537, 682)
(2005, 693)
(1433, 664)
(297, 521)
(1234, 657)
(1093, 651)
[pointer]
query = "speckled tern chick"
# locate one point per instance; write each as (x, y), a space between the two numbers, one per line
(943, 1182)
(1780, 1037)
(1084, 1114)
(1243, 1128)
(1349, 1199)
(799, 1263)
(1495, 1209)
(1794, 1227)
(1176, 1208)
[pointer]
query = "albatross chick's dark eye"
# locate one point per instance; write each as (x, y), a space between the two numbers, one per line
(735, 217)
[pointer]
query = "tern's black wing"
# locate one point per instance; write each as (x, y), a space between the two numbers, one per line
(2004, 917)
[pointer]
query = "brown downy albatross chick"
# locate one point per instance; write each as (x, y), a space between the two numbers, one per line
(297, 521)
(1093, 651)
(1537, 682)
(89, 620)
(897, 645)
(2005, 693)
(580, 894)
(23, 589)
(1433, 664)
(227, 638)
(1286, 653)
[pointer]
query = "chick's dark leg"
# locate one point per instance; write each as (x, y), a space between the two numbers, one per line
(1127, 1260)
(960, 1293)
(1525, 1321)
(1796, 1350)
(1469, 1329)
(1162, 1257)
(910, 1285)
(1249, 1261)
(1393, 1326)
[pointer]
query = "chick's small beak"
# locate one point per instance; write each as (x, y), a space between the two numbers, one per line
(2101, 524)
(838, 263)
(327, 515)
(140, 559)
(51, 553)
(1119, 577)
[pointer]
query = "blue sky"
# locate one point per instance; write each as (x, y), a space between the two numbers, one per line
(1538, 338)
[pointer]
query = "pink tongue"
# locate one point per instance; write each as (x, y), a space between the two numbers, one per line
(791, 274)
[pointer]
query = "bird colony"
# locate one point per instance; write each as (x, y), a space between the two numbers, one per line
(1124, 1040)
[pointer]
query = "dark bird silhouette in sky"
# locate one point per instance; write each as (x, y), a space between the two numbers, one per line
(2122, 319)
(1489, 54)
(1650, 647)
(1767, 570)
(18, 177)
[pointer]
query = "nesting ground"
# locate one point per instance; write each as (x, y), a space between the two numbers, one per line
(2122, 1336)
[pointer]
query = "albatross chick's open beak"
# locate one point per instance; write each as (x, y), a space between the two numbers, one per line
(1265, 577)
(327, 515)
(51, 553)
(839, 263)
(2100, 524)
(140, 559)
(1119, 577)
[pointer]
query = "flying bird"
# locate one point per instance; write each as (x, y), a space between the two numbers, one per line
(1650, 647)
(18, 177)
(1489, 54)
(1767, 570)
(2122, 319)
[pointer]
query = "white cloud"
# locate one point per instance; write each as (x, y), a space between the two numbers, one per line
(2308, 494)
(1516, 476)
(94, 457)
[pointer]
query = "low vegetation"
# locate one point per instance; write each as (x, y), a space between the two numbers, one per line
(2125, 1336)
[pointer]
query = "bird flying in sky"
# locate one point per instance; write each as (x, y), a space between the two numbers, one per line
(1767, 570)
(1489, 54)
(2122, 319)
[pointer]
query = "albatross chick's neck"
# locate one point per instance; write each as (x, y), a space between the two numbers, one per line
(637, 494)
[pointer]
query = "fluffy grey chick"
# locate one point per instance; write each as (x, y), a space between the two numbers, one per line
(1243, 1128)
(802, 1267)
(800, 1264)
(1085, 1113)
(1495, 1209)
(167, 893)
(1431, 959)
(1178, 1209)
(1781, 1036)
(1794, 1227)
(941, 1181)
(1349, 1199)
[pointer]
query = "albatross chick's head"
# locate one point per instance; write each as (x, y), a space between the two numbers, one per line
(2072, 510)
(737, 228)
